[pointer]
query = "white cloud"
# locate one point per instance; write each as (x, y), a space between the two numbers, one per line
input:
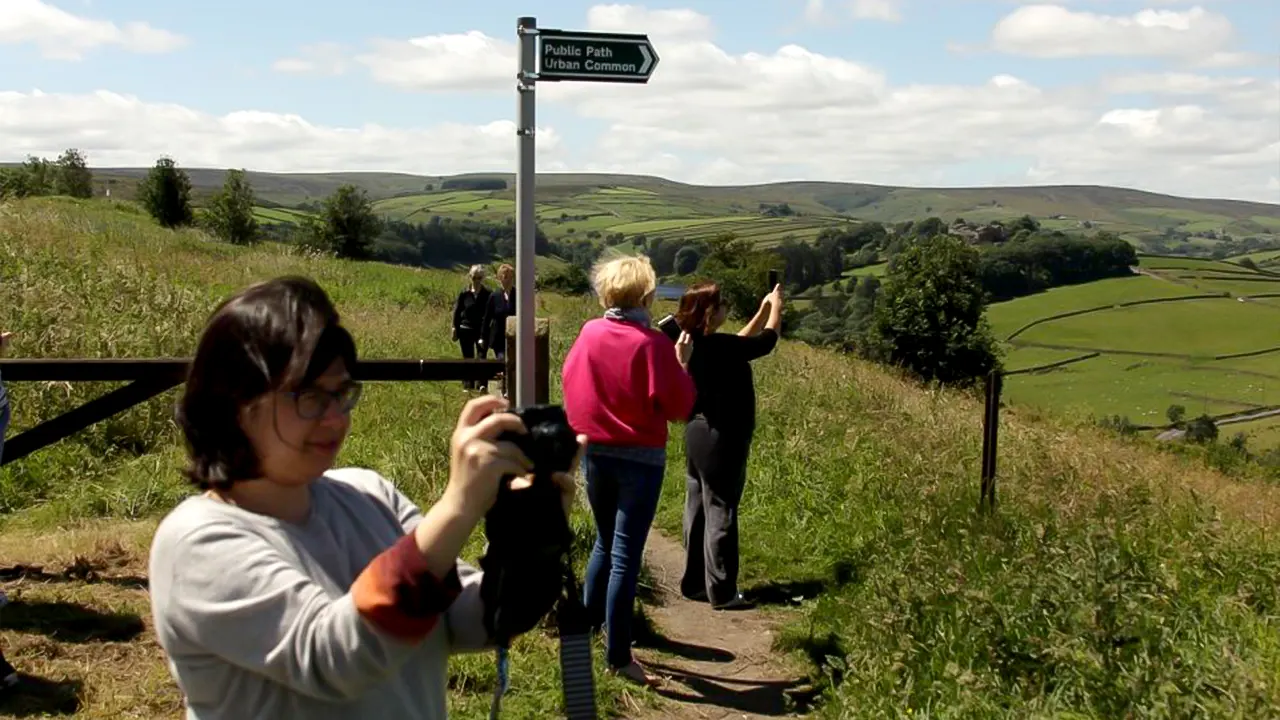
(887, 10)
(710, 115)
(1053, 31)
(1232, 96)
(60, 35)
(319, 58)
(814, 11)
(687, 24)
(466, 61)
(123, 130)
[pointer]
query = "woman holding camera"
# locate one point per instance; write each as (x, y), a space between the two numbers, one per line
(718, 437)
(623, 382)
(288, 588)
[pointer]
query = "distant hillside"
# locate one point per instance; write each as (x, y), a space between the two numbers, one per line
(600, 205)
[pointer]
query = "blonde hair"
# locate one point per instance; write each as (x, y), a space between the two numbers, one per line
(476, 271)
(505, 268)
(624, 282)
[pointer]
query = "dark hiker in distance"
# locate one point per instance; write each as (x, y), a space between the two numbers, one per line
(501, 305)
(468, 316)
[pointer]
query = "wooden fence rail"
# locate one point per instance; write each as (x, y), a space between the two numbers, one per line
(148, 377)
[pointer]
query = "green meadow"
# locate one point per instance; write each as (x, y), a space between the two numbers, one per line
(1112, 581)
(1150, 355)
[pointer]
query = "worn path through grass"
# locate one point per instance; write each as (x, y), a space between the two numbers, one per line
(713, 665)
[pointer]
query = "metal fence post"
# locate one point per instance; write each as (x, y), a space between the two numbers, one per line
(990, 438)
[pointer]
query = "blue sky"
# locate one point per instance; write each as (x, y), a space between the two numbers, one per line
(891, 91)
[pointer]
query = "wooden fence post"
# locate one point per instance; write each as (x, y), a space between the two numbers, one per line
(541, 360)
(990, 436)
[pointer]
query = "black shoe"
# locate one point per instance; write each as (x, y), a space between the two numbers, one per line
(737, 603)
(699, 596)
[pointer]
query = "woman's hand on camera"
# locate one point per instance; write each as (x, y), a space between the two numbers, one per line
(566, 481)
(775, 296)
(478, 461)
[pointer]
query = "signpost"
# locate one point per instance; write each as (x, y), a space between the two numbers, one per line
(556, 55)
(595, 57)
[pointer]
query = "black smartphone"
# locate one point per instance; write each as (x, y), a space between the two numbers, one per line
(670, 327)
(773, 280)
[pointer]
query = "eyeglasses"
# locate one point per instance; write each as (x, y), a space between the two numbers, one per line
(313, 403)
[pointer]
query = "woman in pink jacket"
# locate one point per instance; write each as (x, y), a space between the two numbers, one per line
(623, 382)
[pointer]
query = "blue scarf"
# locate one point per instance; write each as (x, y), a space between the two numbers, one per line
(637, 315)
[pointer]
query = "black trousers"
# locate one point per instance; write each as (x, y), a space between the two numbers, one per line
(716, 473)
(467, 339)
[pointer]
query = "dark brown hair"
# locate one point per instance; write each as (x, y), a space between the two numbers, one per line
(697, 306)
(276, 335)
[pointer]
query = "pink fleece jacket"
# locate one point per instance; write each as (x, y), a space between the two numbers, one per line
(623, 384)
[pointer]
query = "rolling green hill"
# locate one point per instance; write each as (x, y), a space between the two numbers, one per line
(601, 205)
(1196, 333)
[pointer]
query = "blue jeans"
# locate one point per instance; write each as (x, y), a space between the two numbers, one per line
(624, 498)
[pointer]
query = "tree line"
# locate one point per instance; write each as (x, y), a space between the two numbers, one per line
(344, 224)
(68, 175)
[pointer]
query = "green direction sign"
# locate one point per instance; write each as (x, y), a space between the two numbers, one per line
(598, 57)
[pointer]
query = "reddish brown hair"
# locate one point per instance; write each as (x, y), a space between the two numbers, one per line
(697, 306)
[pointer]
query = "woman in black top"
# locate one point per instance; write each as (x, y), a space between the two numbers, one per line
(468, 314)
(501, 305)
(718, 438)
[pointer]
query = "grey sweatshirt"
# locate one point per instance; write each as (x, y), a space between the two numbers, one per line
(264, 619)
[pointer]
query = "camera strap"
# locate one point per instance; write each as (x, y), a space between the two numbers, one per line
(529, 545)
(577, 678)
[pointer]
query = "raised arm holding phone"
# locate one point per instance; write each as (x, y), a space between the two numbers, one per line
(718, 437)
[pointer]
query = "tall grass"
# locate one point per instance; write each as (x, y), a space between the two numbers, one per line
(1112, 581)
(86, 279)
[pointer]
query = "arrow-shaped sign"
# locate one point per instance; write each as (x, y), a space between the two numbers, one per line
(595, 57)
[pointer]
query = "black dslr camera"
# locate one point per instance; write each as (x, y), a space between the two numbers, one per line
(528, 533)
(550, 443)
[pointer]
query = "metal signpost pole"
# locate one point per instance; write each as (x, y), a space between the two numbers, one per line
(556, 55)
(560, 55)
(527, 30)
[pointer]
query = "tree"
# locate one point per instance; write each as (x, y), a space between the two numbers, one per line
(572, 280)
(929, 314)
(1175, 413)
(929, 227)
(231, 211)
(741, 271)
(687, 260)
(166, 194)
(34, 177)
(1202, 430)
(347, 226)
(72, 175)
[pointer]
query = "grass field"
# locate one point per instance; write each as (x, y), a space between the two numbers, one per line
(575, 204)
(1103, 587)
(1009, 317)
(1152, 355)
